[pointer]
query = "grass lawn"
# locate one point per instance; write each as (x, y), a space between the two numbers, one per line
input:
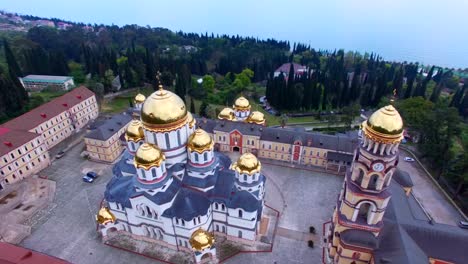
(48, 95)
(302, 119)
(121, 103)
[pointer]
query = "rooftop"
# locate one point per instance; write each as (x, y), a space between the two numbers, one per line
(46, 78)
(47, 111)
(11, 139)
(109, 127)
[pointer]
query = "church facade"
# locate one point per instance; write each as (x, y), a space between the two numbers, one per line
(172, 186)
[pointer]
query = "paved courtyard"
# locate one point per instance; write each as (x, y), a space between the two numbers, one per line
(66, 228)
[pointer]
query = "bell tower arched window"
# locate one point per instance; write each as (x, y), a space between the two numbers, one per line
(373, 182)
(360, 177)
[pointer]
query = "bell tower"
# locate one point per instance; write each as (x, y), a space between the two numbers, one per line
(357, 219)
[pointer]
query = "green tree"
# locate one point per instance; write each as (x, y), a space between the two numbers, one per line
(14, 73)
(203, 109)
(208, 83)
(192, 106)
(76, 70)
(350, 112)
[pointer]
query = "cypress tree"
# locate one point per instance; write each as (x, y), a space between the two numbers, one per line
(192, 105)
(203, 108)
(14, 73)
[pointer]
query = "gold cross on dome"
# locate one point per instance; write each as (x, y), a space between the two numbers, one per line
(158, 78)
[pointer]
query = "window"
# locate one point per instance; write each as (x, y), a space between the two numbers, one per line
(217, 228)
(196, 157)
(177, 221)
(240, 213)
(239, 234)
(153, 172)
(245, 177)
(216, 206)
(199, 219)
(194, 222)
(205, 156)
(222, 207)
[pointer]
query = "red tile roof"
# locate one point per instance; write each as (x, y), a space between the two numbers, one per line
(12, 139)
(11, 254)
(40, 114)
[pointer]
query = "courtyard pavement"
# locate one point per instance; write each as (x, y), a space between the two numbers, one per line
(66, 228)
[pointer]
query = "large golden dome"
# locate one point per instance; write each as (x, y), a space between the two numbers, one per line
(134, 131)
(247, 163)
(227, 114)
(384, 125)
(139, 98)
(201, 240)
(148, 155)
(256, 117)
(105, 216)
(241, 104)
(200, 141)
(163, 109)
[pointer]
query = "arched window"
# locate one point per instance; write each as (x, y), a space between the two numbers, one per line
(194, 222)
(199, 219)
(373, 182)
(239, 234)
(177, 221)
(245, 177)
(240, 213)
(360, 177)
(217, 228)
(224, 229)
(183, 222)
(388, 178)
(216, 206)
(205, 156)
(365, 212)
(153, 172)
(196, 157)
(222, 207)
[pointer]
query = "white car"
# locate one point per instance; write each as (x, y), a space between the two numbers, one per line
(408, 159)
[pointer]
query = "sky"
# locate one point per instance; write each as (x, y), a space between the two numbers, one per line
(428, 31)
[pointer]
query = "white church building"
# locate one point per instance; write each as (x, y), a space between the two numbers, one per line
(171, 186)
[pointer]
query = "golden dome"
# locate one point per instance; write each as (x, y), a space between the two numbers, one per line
(139, 98)
(200, 141)
(241, 104)
(247, 163)
(147, 156)
(256, 117)
(384, 125)
(105, 216)
(227, 114)
(191, 121)
(134, 131)
(201, 240)
(163, 108)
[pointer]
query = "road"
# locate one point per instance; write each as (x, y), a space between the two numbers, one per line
(428, 194)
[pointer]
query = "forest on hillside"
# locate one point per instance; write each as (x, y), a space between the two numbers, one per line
(432, 100)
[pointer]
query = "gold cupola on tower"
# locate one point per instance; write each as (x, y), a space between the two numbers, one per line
(163, 111)
(191, 121)
(139, 98)
(200, 141)
(201, 240)
(241, 104)
(247, 164)
(256, 117)
(134, 131)
(105, 216)
(147, 156)
(384, 125)
(227, 114)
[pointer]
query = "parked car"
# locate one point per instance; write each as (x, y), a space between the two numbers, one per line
(60, 154)
(408, 159)
(92, 174)
(463, 224)
(88, 179)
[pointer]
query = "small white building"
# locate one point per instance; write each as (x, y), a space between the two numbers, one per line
(39, 82)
